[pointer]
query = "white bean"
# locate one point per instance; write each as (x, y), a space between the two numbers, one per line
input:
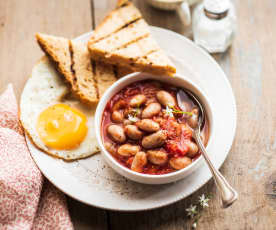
(192, 149)
(137, 100)
(157, 157)
(111, 148)
(154, 140)
(117, 133)
(127, 122)
(165, 98)
(139, 161)
(151, 110)
(117, 116)
(180, 162)
(128, 150)
(148, 125)
(133, 132)
(119, 105)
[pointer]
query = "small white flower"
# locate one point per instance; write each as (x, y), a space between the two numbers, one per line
(194, 225)
(204, 201)
(169, 111)
(191, 211)
(132, 118)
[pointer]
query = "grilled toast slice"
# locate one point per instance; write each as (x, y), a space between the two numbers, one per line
(130, 46)
(72, 60)
(124, 14)
(58, 50)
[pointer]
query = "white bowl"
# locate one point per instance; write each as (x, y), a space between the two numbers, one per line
(179, 81)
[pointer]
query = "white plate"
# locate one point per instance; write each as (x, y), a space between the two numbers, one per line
(92, 182)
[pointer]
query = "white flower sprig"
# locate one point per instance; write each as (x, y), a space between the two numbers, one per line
(133, 115)
(194, 210)
(132, 118)
(169, 111)
(203, 201)
(191, 211)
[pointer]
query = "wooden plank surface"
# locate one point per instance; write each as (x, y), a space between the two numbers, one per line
(249, 65)
(19, 21)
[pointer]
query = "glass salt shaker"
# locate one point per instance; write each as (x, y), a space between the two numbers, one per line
(214, 25)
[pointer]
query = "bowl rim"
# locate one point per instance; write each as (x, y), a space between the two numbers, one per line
(107, 97)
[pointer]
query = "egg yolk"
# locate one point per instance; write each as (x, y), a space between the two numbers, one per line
(61, 127)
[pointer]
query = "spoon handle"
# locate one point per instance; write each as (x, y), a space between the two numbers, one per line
(227, 193)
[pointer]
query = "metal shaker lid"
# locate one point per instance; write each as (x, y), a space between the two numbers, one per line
(216, 6)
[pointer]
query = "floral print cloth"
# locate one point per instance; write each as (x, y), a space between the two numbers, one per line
(27, 199)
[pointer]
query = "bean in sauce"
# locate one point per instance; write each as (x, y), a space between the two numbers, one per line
(140, 134)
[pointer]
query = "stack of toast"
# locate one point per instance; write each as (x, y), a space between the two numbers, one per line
(121, 44)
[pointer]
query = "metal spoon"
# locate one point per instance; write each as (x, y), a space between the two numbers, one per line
(227, 193)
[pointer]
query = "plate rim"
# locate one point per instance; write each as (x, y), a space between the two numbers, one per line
(204, 181)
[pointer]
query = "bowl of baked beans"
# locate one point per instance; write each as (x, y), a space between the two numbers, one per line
(143, 132)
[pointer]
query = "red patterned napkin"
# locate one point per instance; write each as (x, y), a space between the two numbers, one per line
(27, 199)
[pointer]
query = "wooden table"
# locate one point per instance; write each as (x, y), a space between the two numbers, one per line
(249, 65)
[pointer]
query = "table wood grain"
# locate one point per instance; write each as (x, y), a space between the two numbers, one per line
(249, 65)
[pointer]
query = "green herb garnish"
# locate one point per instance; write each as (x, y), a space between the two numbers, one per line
(170, 110)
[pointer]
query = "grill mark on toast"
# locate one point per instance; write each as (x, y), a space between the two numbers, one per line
(150, 52)
(131, 42)
(74, 85)
(116, 31)
(146, 55)
(118, 12)
(127, 25)
(168, 69)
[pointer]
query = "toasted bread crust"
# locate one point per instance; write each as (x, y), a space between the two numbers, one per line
(84, 84)
(155, 62)
(62, 61)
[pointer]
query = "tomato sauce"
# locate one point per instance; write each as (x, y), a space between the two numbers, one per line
(178, 131)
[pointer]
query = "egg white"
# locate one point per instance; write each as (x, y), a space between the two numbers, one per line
(45, 88)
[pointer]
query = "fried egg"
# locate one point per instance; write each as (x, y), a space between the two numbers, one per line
(57, 123)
